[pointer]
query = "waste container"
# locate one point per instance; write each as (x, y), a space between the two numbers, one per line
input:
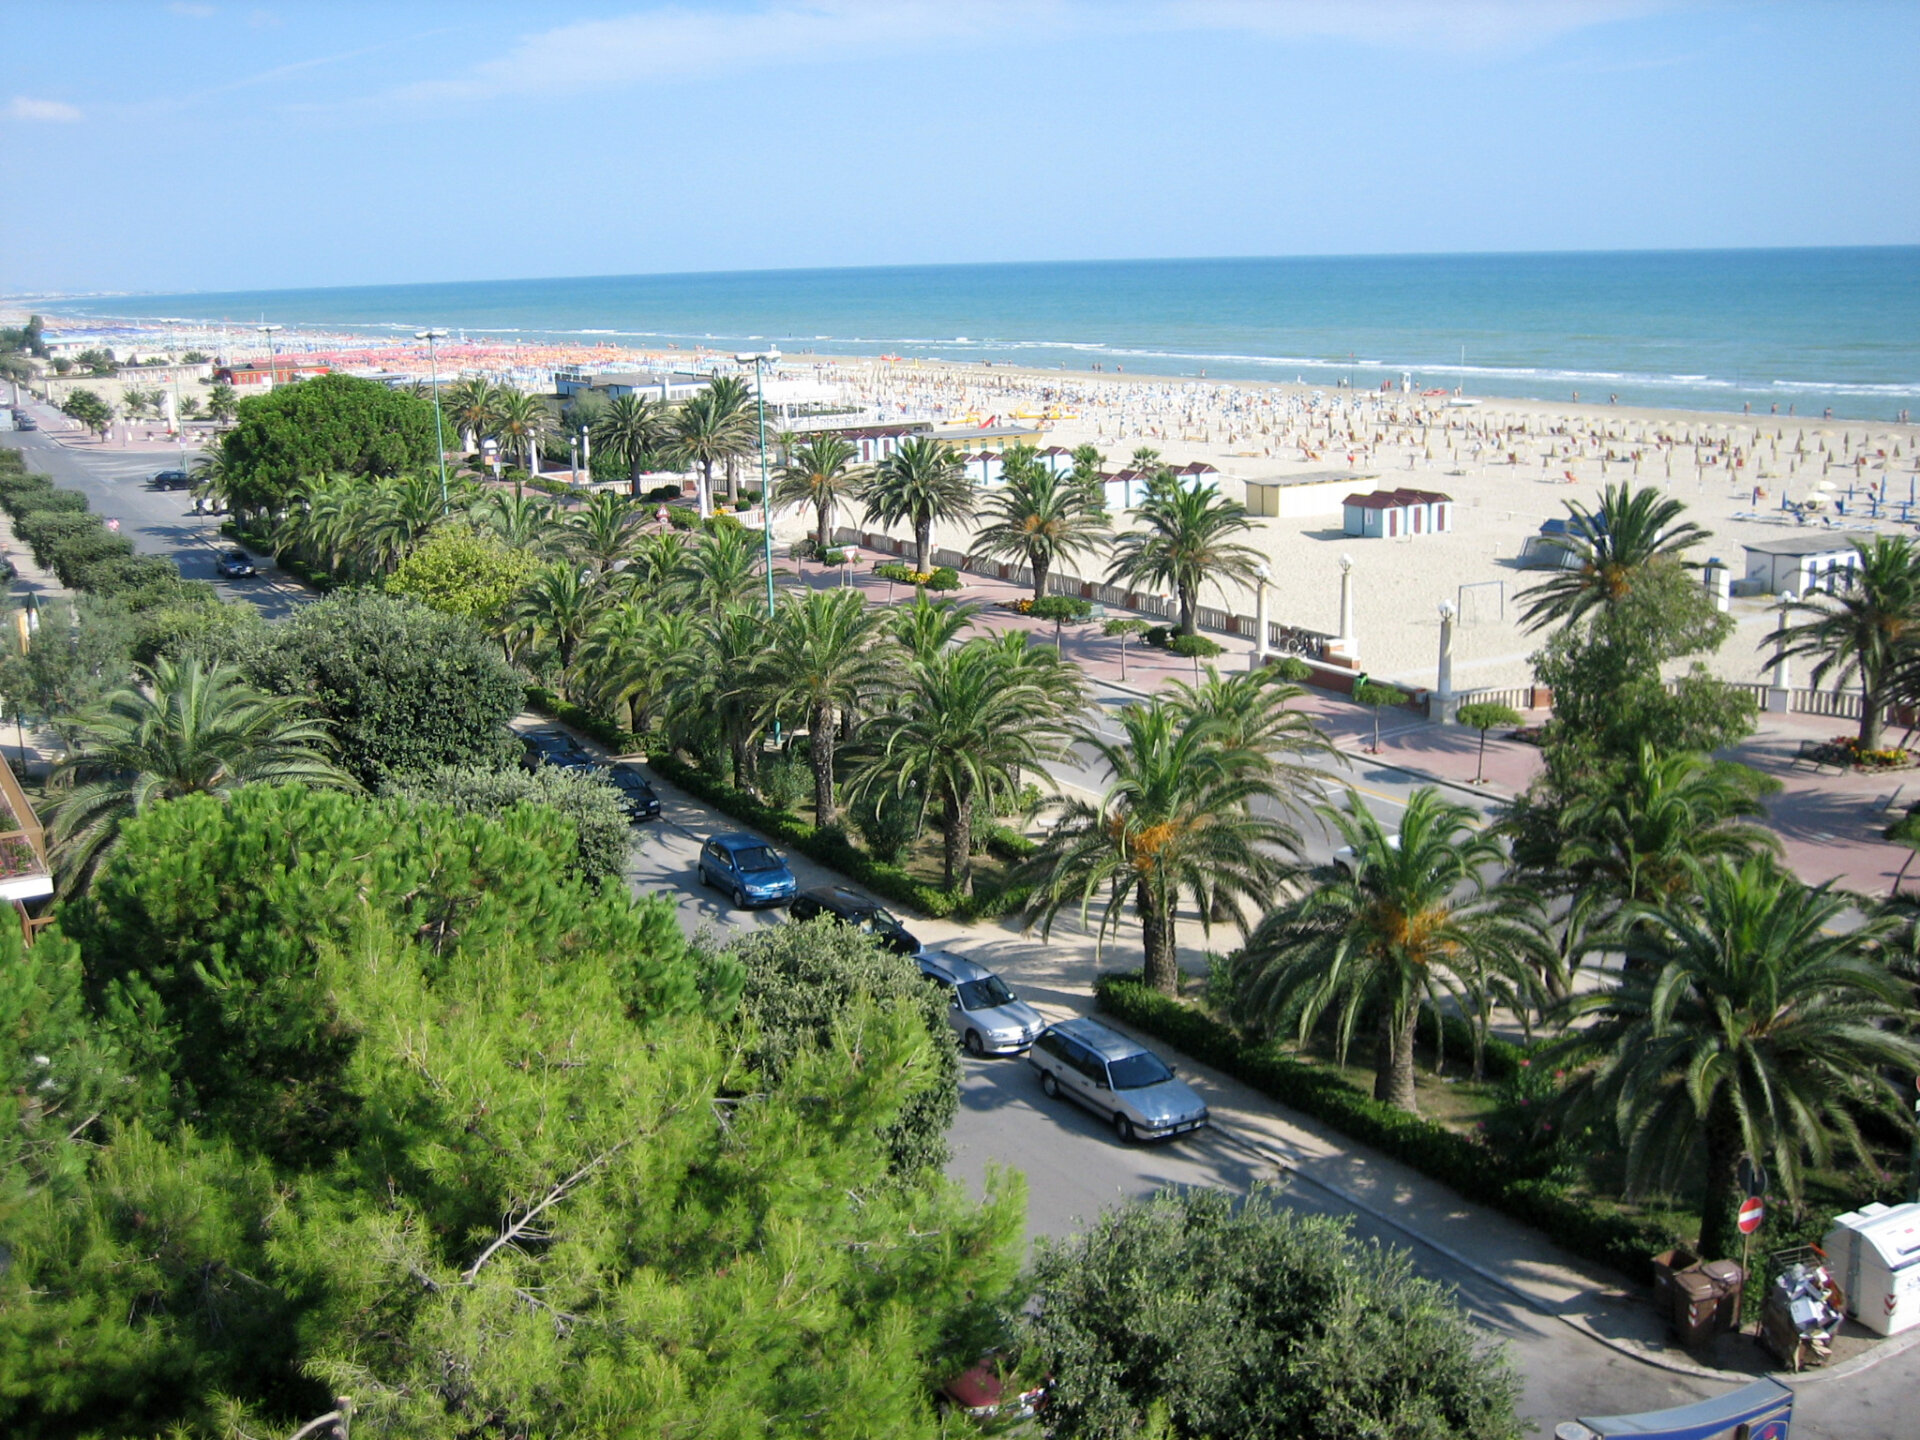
(1876, 1251)
(1665, 1265)
(1731, 1281)
(1696, 1306)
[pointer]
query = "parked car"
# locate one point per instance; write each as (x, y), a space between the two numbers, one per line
(171, 480)
(25, 422)
(850, 907)
(748, 869)
(635, 793)
(236, 565)
(988, 1017)
(556, 748)
(1117, 1078)
(980, 1393)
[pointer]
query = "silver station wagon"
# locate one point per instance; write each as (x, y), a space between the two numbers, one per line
(1117, 1078)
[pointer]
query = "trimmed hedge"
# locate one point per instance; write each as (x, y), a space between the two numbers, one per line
(1467, 1165)
(69, 539)
(830, 847)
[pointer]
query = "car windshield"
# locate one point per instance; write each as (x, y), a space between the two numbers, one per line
(627, 780)
(1137, 1071)
(756, 857)
(875, 917)
(987, 993)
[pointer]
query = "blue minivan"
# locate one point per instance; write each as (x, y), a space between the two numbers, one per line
(748, 869)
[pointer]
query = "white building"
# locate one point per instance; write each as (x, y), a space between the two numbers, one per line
(1822, 560)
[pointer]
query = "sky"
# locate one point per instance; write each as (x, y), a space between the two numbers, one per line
(204, 145)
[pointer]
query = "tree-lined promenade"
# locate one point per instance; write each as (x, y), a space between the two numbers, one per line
(1739, 1026)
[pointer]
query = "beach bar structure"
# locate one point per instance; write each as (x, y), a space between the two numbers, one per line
(1391, 514)
(1798, 563)
(669, 387)
(1312, 492)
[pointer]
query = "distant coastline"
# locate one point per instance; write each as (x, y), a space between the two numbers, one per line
(1706, 331)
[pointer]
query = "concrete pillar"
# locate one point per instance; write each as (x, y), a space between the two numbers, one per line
(1443, 683)
(1780, 693)
(1261, 630)
(1719, 582)
(1349, 642)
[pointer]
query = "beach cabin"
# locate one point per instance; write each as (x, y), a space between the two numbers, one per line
(990, 437)
(1312, 492)
(1124, 489)
(1799, 563)
(1391, 514)
(871, 443)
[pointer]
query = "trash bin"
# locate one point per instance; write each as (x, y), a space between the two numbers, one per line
(1731, 1281)
(1665, 1265)
(1696, 1306)
(1877, 1249)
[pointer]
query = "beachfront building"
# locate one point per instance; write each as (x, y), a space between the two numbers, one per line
(669, 387)
(1799, 563)
(1391, 514)
(282, 371)
(1312, 492)
(1125, 489)
(871, 443)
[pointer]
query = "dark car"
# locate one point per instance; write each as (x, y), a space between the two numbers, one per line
(555, 748)
(25, 422)
(171, 480)
(635, 793)
(850, 907)
(747, 868)
(236, 565)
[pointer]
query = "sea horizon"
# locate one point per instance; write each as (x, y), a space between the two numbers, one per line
(1807, 328)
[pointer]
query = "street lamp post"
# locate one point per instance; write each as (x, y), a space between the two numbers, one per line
(1262, 574)
(439, 430)
(760, 360)
(1349, 642)
(273, 367)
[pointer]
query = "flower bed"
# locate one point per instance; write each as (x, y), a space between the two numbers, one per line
(1845, 750)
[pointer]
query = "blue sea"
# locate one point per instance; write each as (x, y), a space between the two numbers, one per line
(1705, 330)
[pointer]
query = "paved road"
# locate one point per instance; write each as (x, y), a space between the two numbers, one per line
(158, 522)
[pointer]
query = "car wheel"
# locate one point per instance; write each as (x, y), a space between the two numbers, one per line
(1049, 1086)
(739, 898)
(703, 877)
(975, 1046)
(1123, 1127)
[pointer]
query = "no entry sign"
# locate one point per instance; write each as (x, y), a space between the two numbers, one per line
(1752, 1211)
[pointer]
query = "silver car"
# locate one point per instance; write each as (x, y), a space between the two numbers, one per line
(988, 1017)
(1117, 1078)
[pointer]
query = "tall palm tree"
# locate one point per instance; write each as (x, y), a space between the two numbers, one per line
(1409, 918)
(520, 420)
(557, 608)
(925, 626)
(706, 432)
(1255, 712)
(1606, 552)
(323, 526)
(830, 653)
(1868, 632)
(603, 532)
(182, 729)
(1755, 1025)
(921, 483)
(1039, 519)
(1185, 540)
(733, 400)
(721, 568)
(723, 677)
(1638, 839)
(819, 473)
(631, 429)
(631, 658)
(657, 559)
(1176, 820)
(964, 734)
(472, 405)
(524, 522)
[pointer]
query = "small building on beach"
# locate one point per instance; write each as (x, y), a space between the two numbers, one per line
(1312, 492)
(1391, 514)
(1822, 560)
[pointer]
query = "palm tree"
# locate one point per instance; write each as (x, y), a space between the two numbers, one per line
(1868, 632)
(723, 678)
(631, 429)
(925, 626)
(212, 478)
(396, 517)
(721, 568)
(473, 407)
(524, 522)
(603, 532)
(963, 734)
(557, 608)
(733, 400)
(819, 473)
(1638, 839)
(323, 526)
(1254, 710)
(521, 419)
(631, 658)
(1175, 820)
(1407, 919)
(830, 652)
(1186, 541)
(1607, 551)
(921, 483)
(657, 558)
(1757, 1024)
(182, 729)
(1039, 519)
(705, 432)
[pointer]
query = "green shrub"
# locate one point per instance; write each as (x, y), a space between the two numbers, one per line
(833, 558)
(1195, 647)
(1467, 1165)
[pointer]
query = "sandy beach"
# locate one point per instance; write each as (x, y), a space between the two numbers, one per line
(1508, 465)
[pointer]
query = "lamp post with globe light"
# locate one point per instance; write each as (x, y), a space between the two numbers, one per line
(760, 359)
(439, 430)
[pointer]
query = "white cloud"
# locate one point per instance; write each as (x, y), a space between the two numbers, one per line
(674, 41)
(55, 111)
